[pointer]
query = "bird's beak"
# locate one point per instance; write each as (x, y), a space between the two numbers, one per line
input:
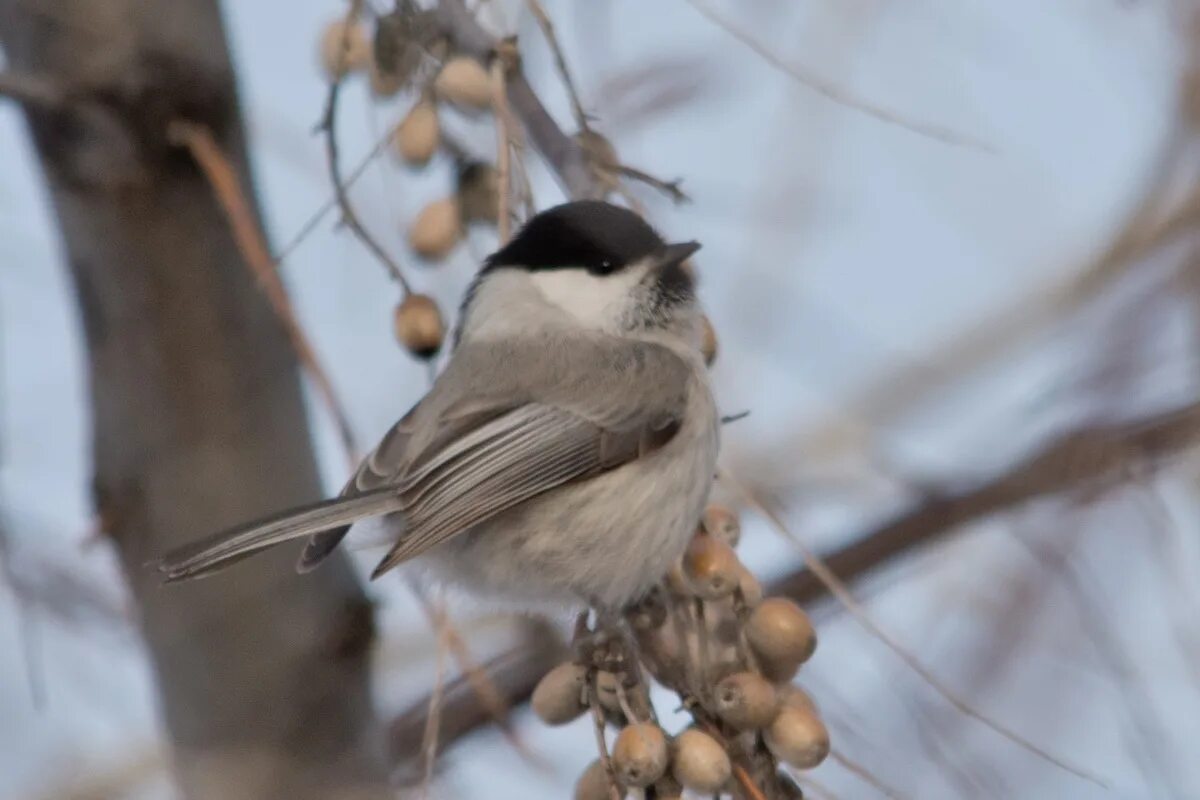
(674, 254)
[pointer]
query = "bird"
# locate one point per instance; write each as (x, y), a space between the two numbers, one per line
(566, 451)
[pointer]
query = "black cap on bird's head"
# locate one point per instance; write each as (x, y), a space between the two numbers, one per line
(590, 234)
(601, 263)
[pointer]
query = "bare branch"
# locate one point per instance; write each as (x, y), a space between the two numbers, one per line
(560, 61)
(836, 93)
(669, 188)
(1079, 460)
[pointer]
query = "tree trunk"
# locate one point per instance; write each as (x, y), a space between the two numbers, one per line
(198, 417)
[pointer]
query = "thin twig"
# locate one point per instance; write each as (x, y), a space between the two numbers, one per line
(747, 783)
(678, 624)
(328, 125)
(503, 148)
(429, 741)
(1145, 734)
(866, 775)
(623, 702)
(560, 61)
(702, 645)
(630, 198)
(27, 624)
(669, 188)
(601, 743)
(739, 772)
(227, 188)
(482, 686)
(314, 219)
(836, 93)
(840, 591)
(562, 152)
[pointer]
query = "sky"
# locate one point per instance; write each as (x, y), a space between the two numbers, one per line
(837, 248)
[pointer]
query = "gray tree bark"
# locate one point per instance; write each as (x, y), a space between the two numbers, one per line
(198, 418)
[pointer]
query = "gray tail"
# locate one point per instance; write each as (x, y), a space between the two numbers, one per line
(225, 548)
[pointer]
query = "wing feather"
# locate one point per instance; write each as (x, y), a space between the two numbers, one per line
(544, 417)
(456, 507)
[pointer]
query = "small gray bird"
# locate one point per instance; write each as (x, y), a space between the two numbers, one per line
(566, 452)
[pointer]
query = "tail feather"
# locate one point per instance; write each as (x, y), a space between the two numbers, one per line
(227, 547)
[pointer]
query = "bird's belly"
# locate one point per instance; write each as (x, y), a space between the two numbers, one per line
(605, 540)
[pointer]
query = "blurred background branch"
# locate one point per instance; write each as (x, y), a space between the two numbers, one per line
(193, 429)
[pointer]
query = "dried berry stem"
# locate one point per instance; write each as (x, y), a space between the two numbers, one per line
(503, 148)
(314, 219)
(739, 772)
(328, 125)
(702, 646)
(742, 611)
(601, 743)
(623, 702)
(679, 624)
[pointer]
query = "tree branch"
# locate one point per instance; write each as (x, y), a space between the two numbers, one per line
(1088, 458)
(562, 153)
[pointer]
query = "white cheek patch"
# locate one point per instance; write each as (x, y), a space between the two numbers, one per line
(595, 301)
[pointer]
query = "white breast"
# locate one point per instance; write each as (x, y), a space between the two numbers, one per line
(603, 541)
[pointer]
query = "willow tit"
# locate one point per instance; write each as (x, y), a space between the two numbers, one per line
(565, 453)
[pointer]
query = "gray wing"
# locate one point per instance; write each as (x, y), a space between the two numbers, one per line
(373, 473)
(508, 422)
